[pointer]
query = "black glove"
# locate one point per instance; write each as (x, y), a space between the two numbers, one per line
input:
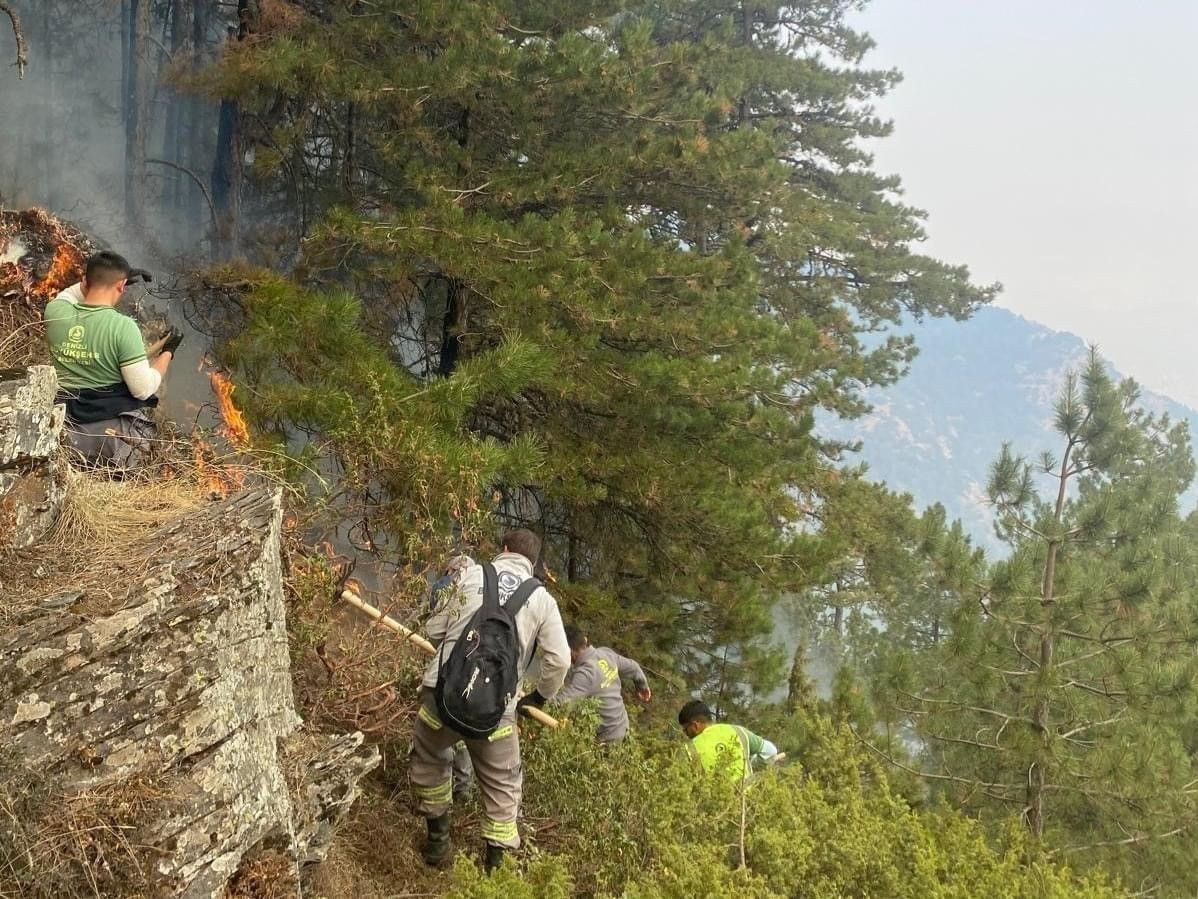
(172, 341)
(138, 275)
(534, 699)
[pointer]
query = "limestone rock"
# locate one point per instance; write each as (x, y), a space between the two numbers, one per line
(325, 771)
(30, 500)
(183, 682)
(31, 482)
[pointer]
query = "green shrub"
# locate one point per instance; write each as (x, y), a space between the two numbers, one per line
(636, 822)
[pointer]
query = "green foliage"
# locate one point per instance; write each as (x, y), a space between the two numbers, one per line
(542, 878)
(631, 247)
(1064, 689)
(637, 822)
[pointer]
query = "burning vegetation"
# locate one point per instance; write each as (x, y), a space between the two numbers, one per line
(233, 425)
(39, 256)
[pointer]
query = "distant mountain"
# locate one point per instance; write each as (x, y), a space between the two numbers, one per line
(975, 384)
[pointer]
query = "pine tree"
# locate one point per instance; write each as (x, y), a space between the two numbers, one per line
(668, 201)
(1063, 690)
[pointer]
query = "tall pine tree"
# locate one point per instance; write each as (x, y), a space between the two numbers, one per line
(635, 246)
(1063, 690)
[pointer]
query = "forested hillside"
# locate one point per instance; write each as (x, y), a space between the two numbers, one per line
(624, 273)
(974, 385)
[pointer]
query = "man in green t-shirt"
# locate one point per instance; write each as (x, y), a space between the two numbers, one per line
(726, 749)
(105, 379)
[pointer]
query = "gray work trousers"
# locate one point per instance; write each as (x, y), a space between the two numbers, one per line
(120, 444)
(496, 762)
(463, 771)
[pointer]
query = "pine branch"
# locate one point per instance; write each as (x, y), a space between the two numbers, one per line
(1134, 840)
(19, 34)
(969, 708)
(1108, 694)
(974, 782)
(1082, 728)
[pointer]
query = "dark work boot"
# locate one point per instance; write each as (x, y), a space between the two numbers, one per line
(494, 857)
(436, 848)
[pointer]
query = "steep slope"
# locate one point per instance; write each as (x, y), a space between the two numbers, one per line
(974, 385)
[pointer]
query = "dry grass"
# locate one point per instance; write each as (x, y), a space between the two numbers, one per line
(22, 340)
(22, 343)
(110, 514)
(80, 845)
(264, 875)
(376, 853)
(98, 545)
(103, 541)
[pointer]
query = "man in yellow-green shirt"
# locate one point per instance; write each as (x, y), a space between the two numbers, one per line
(728, 750)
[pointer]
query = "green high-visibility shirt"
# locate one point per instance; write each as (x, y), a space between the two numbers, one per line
(727, 749)
(89, 344)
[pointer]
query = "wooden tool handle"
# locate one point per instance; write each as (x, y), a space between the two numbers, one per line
(388, 622)
(537, 715)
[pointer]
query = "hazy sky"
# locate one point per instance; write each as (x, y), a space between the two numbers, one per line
(1054, 144)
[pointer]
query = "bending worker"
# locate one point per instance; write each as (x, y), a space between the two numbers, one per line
(725, 748)
(105, 379)
(496, 758)
(597, 672)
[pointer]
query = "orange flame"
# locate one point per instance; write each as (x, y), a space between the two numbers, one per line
(235, 427)
(218, 480)
(64, 271)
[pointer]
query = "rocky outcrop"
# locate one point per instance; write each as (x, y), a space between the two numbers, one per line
(173, 698)
(31, 480)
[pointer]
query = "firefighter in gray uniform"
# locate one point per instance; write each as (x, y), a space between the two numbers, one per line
(598, 672)
(496, 758)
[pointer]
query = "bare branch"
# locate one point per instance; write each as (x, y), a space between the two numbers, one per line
(194, 177)
(1134, 839)
(19, 34)
(968, 708)
(984, 786)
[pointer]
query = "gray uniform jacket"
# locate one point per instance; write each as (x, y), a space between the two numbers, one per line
(598, 673)
(539, 622)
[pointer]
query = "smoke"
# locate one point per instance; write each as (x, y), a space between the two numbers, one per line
(63, 138)
(62, 145)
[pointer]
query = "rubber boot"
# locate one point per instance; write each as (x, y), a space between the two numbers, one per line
(493, 858)
(436, 848)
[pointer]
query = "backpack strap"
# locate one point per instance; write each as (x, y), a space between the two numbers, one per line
(516, 601)
(490, 586)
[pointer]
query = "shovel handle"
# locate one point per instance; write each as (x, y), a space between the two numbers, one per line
(411, 636)
(537, 715)
(387, 621)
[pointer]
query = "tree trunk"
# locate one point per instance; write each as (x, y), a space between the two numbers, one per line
(138, 113)
(172, 149)
(1037, 772)
(226, 171)
(452, 327)
(194, 131)
(49, 155)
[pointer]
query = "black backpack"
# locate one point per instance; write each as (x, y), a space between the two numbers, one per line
(479, 679)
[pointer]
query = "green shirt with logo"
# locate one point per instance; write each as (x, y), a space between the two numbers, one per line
(727, 750)
(89, 344)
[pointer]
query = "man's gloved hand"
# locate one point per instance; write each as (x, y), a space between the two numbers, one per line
(534, 699)
(139, 275)
(172, 341)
